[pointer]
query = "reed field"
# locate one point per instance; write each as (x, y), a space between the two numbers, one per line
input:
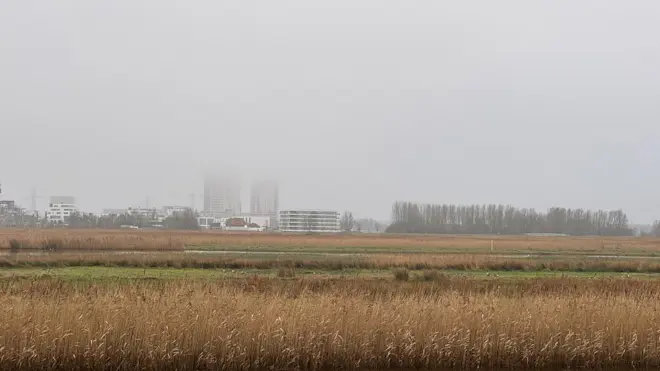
(66, 239)
(297, 324)
(163, 300)
(144, 240)
(451, 262)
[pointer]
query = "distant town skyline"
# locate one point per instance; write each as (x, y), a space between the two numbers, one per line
(222, 194)
(264, 197)
(440, 102)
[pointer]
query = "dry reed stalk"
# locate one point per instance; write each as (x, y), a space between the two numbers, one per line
(458, 262)
(62, 239)
(365, 287)
(189, 326)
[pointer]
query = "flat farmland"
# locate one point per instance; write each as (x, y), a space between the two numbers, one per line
(177, 300)
(144, 240)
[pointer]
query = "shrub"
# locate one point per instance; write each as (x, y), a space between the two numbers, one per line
(431, 275)
(51, 244)
(15, 245)
(401, 274)
(286, 272)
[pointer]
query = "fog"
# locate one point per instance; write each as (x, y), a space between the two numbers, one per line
(349, 104)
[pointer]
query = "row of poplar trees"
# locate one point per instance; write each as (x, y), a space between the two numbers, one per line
(410, 217)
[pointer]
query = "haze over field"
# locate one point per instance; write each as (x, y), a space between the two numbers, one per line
(350, 104)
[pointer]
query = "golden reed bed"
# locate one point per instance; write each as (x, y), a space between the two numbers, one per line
(177, 240)
(314, 325)
(457, 262)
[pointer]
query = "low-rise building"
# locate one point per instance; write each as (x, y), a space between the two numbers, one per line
(7, 205)
(115, 212)
(60, 208)
(235, 223)
(168, 211)
(11, 215)
(207, 222)
(143, 211)
(315, 221)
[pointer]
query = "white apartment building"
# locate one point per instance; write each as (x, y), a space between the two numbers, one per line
(60, 209)
(317, 221)
(222, 195)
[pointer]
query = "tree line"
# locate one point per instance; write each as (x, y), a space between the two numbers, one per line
(179, 220)
(410, 217)
(655, 229)
(348, 223)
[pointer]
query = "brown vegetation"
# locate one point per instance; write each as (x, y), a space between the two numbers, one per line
(461, 262)
(91, 239)
(261, 323)
(65, 239)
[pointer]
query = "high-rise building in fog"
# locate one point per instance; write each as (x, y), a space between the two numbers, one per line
(264, 198)
(222, 195)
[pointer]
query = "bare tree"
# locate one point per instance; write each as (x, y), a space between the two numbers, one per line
(347, 222)
(656, 228)
(409, 217)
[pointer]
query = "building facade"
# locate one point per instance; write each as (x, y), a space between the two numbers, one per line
(144, 212)
(222, 195)
(168, 211)
(315, 221)
(115, 212)
(264, 198)
(11, 215)
(60, 208)
(208, 222)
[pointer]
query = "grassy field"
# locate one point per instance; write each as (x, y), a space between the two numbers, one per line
(372, 302)
(99, 274)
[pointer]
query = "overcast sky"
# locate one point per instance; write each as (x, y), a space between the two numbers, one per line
(351, 104)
